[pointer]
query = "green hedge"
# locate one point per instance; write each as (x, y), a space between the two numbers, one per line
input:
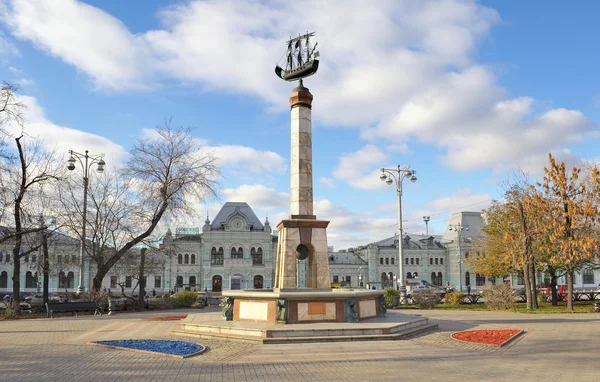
(184, 299)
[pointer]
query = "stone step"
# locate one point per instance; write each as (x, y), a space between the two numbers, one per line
(372, 337)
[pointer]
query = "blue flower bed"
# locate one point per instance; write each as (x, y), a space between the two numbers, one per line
(180, 348)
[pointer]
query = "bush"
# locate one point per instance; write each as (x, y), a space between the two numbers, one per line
(454, 298)
(184, 299)
(389, 296)
(426, 298)
(499, 297)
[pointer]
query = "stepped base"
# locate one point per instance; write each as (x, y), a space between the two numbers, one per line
(394, 327)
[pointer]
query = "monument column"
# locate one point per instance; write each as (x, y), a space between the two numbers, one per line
(301, 186)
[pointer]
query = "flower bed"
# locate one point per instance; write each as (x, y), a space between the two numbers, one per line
(179, 349)
(487, 337)
(166, 318)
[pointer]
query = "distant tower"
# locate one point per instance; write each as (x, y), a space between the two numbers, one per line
(426, 220)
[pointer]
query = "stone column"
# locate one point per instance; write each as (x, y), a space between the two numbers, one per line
(301, 185)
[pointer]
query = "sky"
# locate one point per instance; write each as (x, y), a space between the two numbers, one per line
(464, 92)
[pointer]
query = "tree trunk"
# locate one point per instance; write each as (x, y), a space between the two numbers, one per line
(554, 288)
(527, 280)
(141, 279)
(532, 285)
(570, 274)
(16, 285)
(45, 267)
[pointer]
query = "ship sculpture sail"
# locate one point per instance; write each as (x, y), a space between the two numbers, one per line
(301, 59)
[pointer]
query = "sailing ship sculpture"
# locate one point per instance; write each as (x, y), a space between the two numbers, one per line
(301, 59)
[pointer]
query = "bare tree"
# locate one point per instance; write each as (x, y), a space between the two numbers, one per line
(166, 175)
(11, 113)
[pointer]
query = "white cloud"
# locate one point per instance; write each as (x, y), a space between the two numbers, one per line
(327, 181)
(64, 138)
(361, 169)
(404, 70)
(7, 48)
(463, 200)
(248, 158)
(257, 196)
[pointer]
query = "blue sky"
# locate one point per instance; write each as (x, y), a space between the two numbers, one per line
(463, 91)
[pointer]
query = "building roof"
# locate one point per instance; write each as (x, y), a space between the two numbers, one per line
(471, 224)
(346, 258)
(236, 208)
(414, 241)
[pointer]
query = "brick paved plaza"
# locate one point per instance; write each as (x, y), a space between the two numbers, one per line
(556, 347)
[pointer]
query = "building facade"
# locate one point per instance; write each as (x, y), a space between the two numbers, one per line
(237, 251)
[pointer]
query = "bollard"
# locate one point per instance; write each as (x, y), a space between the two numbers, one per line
(111, 307)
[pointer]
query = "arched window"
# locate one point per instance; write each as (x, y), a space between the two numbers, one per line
(392, 260)
(237, 253)
(216, 258)
(431, 261)
(417, 261)
(217, 283)
(256, 256)
(409, 275)
(179, 282)
(467, 278)
(179, 259)
(387, 261)
(193, 259)
(439, 277)
(412, 261)
(436, 261)
(441, 261)
(233, 252)
(588, 276)
(258, 282)
(390, 276)
(187, 259)
(385, 282)
(30, 280)
(3, 279)
(62, 280)
(241, 252)
(33, 258)
(434, 278)
(70, 280)
(479, 280)
(192, 282)
(415, 275)
(406, 260)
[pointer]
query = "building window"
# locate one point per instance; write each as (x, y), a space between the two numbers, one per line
(387, 261)
(436, 261)
(258, 282)
(7, 258)
(216, 258)
(392, 261)
(406, 260)
(0, 256)
(336, 279)
(33, 258)
(127, 281)
(412, 261)
(30, 280)
(179, 282)
(467, 278)
(409, 275)
(256, 256)
(479, 280)
(113, 281)
(193, 259)
(466, 255)
(441, 261)
(349, 279)
(434, 279)
(179, 259)
(157, 282)
(431, 261)
(59, 259)
(62, 279)
(27, 258)
(192, 282)
(415, 275)
(74, 259)
(381, 261)
(520, 279)
(3, 279)
(217, 283)
(186, 259)
(588, 276)
(417, 261)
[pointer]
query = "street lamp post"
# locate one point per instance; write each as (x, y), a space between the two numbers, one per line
(426, 220)
(458, 228)
(86, 162)
(389, 175)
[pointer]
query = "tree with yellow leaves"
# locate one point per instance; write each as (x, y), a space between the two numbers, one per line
(571, 211)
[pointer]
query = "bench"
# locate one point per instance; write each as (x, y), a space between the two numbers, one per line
(73, 307)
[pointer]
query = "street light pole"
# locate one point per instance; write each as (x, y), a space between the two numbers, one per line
(86, 163)
(458, 228)
(426, 220)
(389, 175)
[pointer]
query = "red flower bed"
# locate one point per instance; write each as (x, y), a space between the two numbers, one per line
(166, 318)
(487, 337)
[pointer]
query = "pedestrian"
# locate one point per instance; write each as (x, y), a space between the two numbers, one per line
(469, 290)
(206, 296)
(153, 293)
